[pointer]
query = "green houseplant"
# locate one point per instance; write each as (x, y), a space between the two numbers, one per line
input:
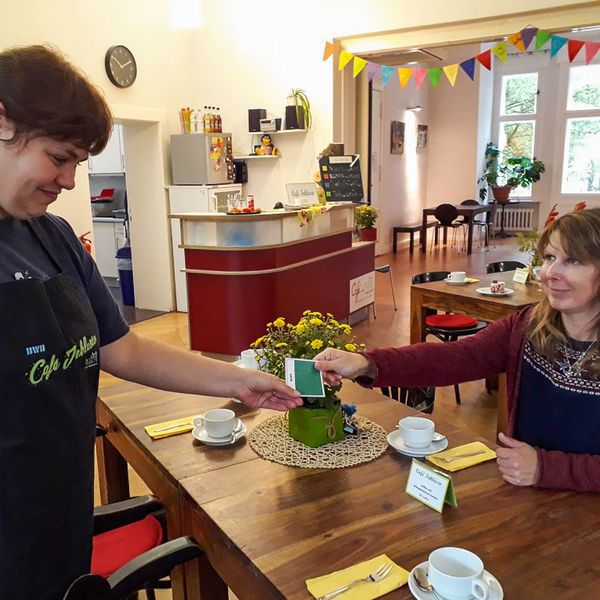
(365, 217)
(298, 114)
(503, 172)
(320, 420)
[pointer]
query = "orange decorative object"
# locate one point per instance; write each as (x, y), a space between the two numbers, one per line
(87, 244)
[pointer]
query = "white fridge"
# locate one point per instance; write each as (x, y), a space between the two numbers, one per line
(194, 198)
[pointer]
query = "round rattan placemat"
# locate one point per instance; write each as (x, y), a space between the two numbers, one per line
(270, 440)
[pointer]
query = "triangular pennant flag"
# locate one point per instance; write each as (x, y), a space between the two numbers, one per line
(527, 35)
(468, 66)
(420, 75)
(359, 65)
(386, 73)
(501, 51)
(451, 72)
(590, 51)
(556, 43)
(485, 58)
(345, 58)
(516, 39)
(404, 75)
(372, 69)
(573, 48)
(541, 37)
(330, 49)
(434, 76)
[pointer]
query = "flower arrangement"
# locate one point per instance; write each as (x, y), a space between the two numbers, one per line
(312, 334)
(528, 240)
(365, 216)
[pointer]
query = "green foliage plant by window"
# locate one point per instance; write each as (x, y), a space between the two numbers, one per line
(365, 216)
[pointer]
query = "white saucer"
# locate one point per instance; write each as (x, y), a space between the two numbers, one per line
(487, 292)
(451, 282)
(495, 587)
(397, 443)
(200, 434)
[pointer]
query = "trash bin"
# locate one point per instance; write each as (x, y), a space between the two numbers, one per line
(125, 275)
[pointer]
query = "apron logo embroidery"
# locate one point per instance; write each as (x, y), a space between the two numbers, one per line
(25, 275)
(43, 369)
(35, 349)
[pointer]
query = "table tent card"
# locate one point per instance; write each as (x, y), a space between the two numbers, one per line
(430, 486)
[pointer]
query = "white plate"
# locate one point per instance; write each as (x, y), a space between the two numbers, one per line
(451, 282)
(397, 443)
(200, 434)
(487, 292)
(497, 593)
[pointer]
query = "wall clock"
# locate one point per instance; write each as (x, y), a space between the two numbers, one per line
(120, 65)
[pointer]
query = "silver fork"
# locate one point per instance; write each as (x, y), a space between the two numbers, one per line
(449, 459)
(381, 573)
(171, 427)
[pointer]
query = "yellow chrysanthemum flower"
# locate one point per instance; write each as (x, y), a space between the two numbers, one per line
(346, 328)
(300, 328)
(258, 341)
(316, 322)
(334, 322)
(279, 322)
(316, 344)
(350, 347)
(306, 312)
(281, 345)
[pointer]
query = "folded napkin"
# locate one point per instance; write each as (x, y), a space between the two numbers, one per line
(182, 425)
(467, 461)
(319, 586)
(471, 280)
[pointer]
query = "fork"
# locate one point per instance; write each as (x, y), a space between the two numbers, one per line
(381, 573)
(449, 459)
(166, 428)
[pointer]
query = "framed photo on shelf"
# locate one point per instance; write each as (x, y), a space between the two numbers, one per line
(421, 136)
(397, 138)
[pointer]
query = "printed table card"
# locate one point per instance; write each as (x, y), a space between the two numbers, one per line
(430, 486)
(301, 375)
(521, 275)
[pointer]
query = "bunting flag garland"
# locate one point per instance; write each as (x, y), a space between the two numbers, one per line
(520, 40)
(404, 75)
(359, 65)
(451, 73)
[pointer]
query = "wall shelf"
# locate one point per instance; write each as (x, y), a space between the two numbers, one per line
(278, 131)
(253, 156)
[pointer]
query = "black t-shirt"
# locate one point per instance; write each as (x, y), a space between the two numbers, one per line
(22, 256)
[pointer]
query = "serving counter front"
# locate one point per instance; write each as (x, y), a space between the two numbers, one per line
(244, 271)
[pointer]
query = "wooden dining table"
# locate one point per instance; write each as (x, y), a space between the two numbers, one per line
(266, 527)
(468, 212)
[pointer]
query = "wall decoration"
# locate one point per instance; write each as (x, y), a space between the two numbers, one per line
(397, 138)
(421, 137)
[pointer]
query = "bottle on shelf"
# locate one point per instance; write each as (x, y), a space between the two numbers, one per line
(219, 122)
(206, 120)
(213, 120)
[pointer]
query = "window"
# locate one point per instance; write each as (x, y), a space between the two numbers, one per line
(581, 163)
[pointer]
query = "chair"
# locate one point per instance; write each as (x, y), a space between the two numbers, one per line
(446, 214)
(504, 265)
(129, 552)
(386, 269)
(446, 327)
(482, 223)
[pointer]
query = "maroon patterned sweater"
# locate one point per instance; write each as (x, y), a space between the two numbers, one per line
(496, 349)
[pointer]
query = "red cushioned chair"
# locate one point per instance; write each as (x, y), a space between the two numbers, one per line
(130, 552)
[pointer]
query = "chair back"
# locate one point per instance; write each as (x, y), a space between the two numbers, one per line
(469, 202)
(504, 265)
(445, 214)
(430, 276)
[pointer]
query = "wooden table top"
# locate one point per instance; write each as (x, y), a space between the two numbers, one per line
(267, 528)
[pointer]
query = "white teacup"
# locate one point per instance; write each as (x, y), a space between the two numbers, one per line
(457, 574)
(417, 432)
(218, 422)
(248, 359)
(457, 276)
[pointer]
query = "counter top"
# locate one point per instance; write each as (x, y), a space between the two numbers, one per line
(108, 220)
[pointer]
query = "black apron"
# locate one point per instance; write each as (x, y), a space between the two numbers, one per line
(49, 367)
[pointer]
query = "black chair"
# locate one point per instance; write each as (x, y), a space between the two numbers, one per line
(454, 326)
(446, 215)
(481, 223)
(503, 265)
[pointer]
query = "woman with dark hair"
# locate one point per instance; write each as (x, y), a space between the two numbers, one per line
(59, 326)
(551, 357)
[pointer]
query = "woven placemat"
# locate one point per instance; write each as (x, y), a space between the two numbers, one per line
(270, 440)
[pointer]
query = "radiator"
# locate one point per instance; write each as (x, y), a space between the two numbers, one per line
(515, 219)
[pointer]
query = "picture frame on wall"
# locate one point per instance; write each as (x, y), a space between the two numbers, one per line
(422, 132)
(397, 137)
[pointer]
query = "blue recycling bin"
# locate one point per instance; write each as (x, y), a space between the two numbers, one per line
(125, 269)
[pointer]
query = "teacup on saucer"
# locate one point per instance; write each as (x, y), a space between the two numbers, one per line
(201, 435)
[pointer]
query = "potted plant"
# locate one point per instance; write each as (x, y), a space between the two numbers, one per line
(298, 113)
(504, 173)
(365, 216)
(320, 420)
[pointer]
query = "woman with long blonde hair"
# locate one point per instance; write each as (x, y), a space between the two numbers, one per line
(550, 354)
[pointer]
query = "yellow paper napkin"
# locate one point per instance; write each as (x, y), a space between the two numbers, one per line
(471, 280)
(182, 425)
(319, 586)
(462, 463)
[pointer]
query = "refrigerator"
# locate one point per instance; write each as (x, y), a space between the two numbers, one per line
(201, 158)
(194, 198)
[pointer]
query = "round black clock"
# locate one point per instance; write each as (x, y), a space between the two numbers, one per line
(120, 66)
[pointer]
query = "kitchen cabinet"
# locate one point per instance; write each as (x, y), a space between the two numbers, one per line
(111, 159)
(109, 236)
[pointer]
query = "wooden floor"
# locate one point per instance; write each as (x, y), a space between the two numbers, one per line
(390, 328)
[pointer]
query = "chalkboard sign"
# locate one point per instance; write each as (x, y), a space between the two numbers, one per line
(341, 179)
